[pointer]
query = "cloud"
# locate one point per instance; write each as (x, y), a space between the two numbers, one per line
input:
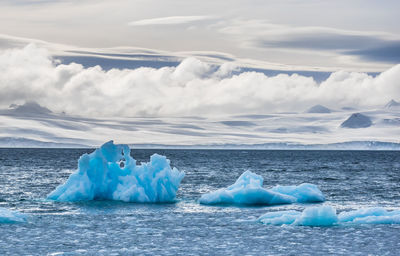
(197, 26)
(193, 88)
(171, 20)
(7, 42)
(368, 45)
(323, 40)
(386, 52)
(32, 2)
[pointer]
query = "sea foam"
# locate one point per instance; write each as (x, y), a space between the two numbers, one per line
(248, 189)
(110, 173)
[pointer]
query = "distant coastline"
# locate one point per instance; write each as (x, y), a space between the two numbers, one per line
(9, 142)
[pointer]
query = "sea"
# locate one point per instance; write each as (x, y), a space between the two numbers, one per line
(350, 180)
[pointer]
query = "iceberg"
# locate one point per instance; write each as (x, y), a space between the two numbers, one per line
(279, 217)
(375, 215)
(317, 216)
(304, 193)
(8, 216)
(248, 190)
(312, 216)
(110, 173)
(326, 216)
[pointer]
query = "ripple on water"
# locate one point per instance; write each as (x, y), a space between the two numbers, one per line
(350, 180)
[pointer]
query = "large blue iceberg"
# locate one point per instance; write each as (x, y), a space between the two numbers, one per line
(8, 216)
(110, 173)
(248, 190)
(326, 216)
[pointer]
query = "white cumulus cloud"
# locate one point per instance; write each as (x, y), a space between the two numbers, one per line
(191, 88)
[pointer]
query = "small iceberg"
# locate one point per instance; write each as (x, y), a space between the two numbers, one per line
(110, 173)
(376, 215)
(8, 216)
(326, 216)
(248, 190)
(303, 193)
(312, 216)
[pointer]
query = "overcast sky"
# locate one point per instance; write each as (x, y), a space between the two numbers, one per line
(199, 72)
(355, 35)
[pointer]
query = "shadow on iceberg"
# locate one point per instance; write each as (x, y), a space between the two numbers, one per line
(110, 173)
(326, 216)
(8, 216)
(248, 190)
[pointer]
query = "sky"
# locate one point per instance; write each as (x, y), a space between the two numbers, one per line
(194, 87)
(359, 35)
(227, 62)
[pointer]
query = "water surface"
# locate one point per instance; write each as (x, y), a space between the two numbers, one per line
(349, 179)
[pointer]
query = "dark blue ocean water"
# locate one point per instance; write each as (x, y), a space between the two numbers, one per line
(349, 179)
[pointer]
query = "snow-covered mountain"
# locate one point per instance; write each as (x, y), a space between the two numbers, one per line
(357, 120)
(39, 127)
(10, 142)
(319, 109)
(392, 104)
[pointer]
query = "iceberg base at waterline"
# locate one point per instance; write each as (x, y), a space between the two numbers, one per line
(110, 173)
(326, 216)
(8, 216)
(248, 190)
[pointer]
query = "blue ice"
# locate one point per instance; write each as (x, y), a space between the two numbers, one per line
(375, 215)
(110, 173)
(248, 189)
(312, 216)
(326, 216)
(304, 193)
(8, 216)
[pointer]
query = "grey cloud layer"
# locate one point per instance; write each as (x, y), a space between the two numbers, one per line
(171, 20)
(385, 52)
(327, 34)
(372, 46)
(191, 88)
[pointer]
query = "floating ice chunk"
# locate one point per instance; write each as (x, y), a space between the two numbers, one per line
(317, 216)
(110, 173)
(326, 216)
(8, 216)
(304, 193)
(375, 215)
(312, 216)
(248, 190)
(279, 217)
